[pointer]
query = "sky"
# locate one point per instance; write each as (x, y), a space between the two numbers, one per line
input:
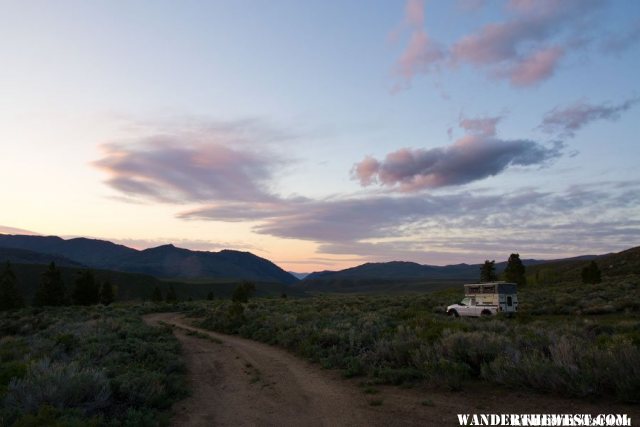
(325, 134)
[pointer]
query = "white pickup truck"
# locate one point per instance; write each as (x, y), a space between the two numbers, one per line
(486, 299)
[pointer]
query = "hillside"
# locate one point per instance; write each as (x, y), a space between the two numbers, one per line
(165, 261)
(399, 276)
(568, 270)
(23, 256)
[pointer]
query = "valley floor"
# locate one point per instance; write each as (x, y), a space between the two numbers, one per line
(240, 382)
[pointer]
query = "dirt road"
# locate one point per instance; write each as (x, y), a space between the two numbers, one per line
(239, 382)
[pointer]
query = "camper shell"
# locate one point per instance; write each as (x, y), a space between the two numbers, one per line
(486, 299)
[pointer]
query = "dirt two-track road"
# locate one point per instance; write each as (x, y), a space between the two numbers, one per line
(239, 382)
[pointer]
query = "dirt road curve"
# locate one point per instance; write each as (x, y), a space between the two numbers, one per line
(244, 383)
(239, 382)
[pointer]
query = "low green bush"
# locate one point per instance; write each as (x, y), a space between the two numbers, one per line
(87, 366)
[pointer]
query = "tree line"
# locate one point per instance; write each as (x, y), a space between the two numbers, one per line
(515, 271)
(241, 293)
(87, 290)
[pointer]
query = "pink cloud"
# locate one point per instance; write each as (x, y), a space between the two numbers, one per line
(12, 230)
(421, 53)
(366, 170)
(194, 165)
(533, 22)
(535, 68)
(414, 13)
(419, 56)
(494, 43)
(469, 159)
(475, 156)
(514, 49)
(485, 126)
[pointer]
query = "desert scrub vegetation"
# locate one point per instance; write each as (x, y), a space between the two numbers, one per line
(82, 366)
(407, 339)
(619, 295)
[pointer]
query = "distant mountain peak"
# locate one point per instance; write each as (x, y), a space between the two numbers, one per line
(162, 247)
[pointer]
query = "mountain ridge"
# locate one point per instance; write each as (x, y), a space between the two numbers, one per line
(403, 276)
(164, 261)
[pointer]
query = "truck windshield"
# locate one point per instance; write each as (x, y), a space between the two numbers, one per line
(465, 301)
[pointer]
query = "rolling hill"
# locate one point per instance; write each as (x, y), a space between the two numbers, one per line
(165, 261)
(612, 265)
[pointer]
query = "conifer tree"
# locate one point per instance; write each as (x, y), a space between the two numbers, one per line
(106, 293)
(591, 273)
(243, 292)
(514, 272)
(10, 298)
(488, 272)
(51, 291)
(171, 295)
(85, 291)
(157, 294)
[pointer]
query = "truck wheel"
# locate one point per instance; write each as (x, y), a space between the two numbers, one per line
(485, 313)
(453, 313)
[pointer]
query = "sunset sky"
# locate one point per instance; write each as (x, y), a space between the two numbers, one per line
(325, 134)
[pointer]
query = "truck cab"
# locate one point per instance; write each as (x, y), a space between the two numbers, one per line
(486, 299)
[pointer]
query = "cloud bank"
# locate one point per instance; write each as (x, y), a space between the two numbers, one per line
(459, 224)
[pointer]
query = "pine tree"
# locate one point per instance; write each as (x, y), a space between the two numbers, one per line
(596, 274)
(10, 298)
(157, 295)
(210, 296)
(86, 291)
(591, 274)
(51, 290)
(514, 272)
(171, 295)
(488, 272)
(106, 293)
(243, 292)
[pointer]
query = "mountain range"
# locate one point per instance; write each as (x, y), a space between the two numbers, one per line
(170, 263)
(165, 261)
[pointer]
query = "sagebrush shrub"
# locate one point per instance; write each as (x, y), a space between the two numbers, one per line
(61, 386)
